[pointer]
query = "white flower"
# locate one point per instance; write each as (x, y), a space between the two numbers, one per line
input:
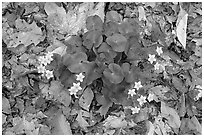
(138, 85)
(49, 74)
(77, 86)
(41, 68)
(142, 100)
(159, 50)
(43, 60)
(73, 91)
(131, 92)
(151, 58)
(199, 88)
(80, 77)
(48, 57)
(150, 97)
(156, 66)
(162, 66)
(135, 110)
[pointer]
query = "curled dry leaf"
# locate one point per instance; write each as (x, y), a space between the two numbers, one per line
(181, 26)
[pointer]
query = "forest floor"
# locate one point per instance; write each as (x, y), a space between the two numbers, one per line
(101, 68)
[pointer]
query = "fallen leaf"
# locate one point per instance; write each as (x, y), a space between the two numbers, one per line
(77, 21)
(195, 125)
(150, 128)
(61, 126)
(182, 109)
(142, 15)
(181, 26)
(86, 99)
(82, 122)
(6, 105)
(172, 115)
(58, 48)
(3, 118)
(115, 122)
(56, 90)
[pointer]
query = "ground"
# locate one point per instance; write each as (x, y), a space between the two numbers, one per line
(101, 68)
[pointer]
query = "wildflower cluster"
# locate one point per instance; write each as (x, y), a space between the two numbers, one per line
(44, 61)
(76, 86)
(141, 100)
(199, 88)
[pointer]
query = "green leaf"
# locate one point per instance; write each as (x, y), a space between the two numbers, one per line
(113, 16)
(110, 28)
(114, 73)
(86, 99)
(105, 102)
(74, 61)
(128, 72)
(126, 28)
(94, 23)
(92, 38)
(117, 41)
(74, 44)
(92, 72)
(172, 115)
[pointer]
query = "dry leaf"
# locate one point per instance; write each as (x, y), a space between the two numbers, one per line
(181, 26)
(142, 15)
(86, 99)
(172, 116)
(150, 127)
(61, 126)
(115, 122)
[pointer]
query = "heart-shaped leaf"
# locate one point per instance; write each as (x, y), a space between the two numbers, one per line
(118, 42)
(74, 44)
(128, 72)
(92, 72)
(86, 99)
(110, 28)
(74, 61)
(107, 50)
(94, 23)
(113, 16)
(92, 38)
(114, 73)
(105, 102)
